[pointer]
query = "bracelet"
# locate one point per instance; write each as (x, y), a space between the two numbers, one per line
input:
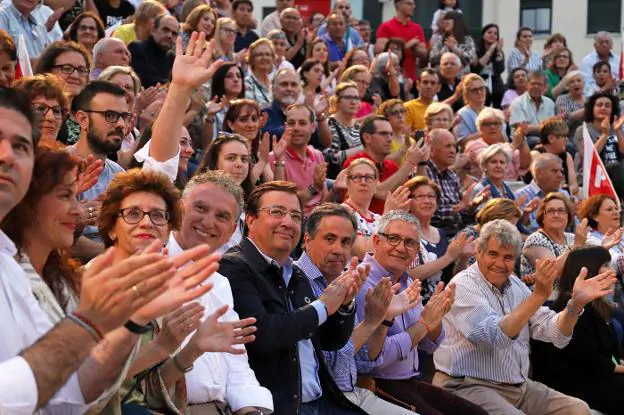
(424, 325)
(179, 366)
(136, 328)
(422, 163)
(321, 118)
(388, 323)
(87, 325)
(570, 309)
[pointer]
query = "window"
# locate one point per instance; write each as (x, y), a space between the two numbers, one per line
(536, 14)
(603, 15)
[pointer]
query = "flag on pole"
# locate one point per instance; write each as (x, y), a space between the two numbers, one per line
(22, 68)
(621, 69)
(595, 177)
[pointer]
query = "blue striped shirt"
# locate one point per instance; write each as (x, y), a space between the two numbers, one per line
(15, 24)
(475, 346)
(531, 191)
(344, 363)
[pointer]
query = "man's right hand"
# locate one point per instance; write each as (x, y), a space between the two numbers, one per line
(336, 292)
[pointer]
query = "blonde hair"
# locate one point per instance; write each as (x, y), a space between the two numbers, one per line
(498, 208)
(222, 21)
(148, 10)
(435, 108)
(360, 161)
(256, 44)
(193, 18)
(471, 77)
(333, 101)
(110, 72)
(350, 72)
(386, 105)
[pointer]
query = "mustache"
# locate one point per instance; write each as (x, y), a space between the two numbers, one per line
(117, 131)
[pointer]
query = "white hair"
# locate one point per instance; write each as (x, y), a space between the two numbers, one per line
(601, 35)
(503, 232)
(488, 113)
(451, 54)
(101, 45)
(540, 162)
(574, 74)
(393, 215)
(491, 151)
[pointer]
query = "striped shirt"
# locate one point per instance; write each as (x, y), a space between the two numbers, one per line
(450, 186)
(475, 346)
(343, 138)
(516, 57)
(15, 24)
(344, 363)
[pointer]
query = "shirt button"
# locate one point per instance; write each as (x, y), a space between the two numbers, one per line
(295, 359)
(295, 396)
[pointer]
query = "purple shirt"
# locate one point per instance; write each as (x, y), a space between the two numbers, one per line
(399, 360)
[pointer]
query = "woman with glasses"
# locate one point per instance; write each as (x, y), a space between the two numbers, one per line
(394, 110)
(362, 180)
(261, 60)
(493, 162)
(361, 76)
(86, 30)
(202, 18)
(344, 129)
(551, 240)
(474, 93)
(224, 39)
(489, 124)
(69, 61)
(562, 63)
(47, 94)
(230, 154)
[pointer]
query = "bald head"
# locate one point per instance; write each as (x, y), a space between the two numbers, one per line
(110, 51)
(290, 18)
(443, 148)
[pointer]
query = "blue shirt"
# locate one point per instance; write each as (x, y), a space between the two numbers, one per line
(15, 24)
(344, 363)
(351, 35)
(336, 52)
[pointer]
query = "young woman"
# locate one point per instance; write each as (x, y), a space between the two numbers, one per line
(517, 83)
(454, 37)
(227, 85)
(490, 63)
(311, 73)
(521, 56)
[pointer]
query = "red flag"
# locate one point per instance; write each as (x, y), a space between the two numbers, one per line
(22, 68)
(621, 71)
(595, 178)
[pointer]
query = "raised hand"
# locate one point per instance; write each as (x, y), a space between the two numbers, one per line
(457, 245)
(417, 152)
(520, 132)
(177, 325)
(612, 238)
(483, 195)
(340, 184)
(438, 305)
(221, 336)
(279, 147)
(464, 203)
(263, 148)
(545, 276)
(405, 300)
(377, 302)
(580, 233)
(90, 176)
(588, 290)
(605, 126)
(398, 200)
(51, 21)
(215, 105)
(194, 68)
(339, 290)
(532, 206)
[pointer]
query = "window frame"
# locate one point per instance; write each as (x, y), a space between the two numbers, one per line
(527, 5)
(597, 7)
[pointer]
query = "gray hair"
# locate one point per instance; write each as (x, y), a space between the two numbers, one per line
(397, 215)
(110, 72)
(283, 71)
(540, 161)
(574, 74)
(506, 234)
(488, 113)
(602, 34)
(325, 210)
(382, 61)
(453, 55)
(101, 45)
(437, 133)
(491, 151)
(218, 178)
(276, 34)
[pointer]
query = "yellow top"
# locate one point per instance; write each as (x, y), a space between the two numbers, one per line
(415, 116)
(396, 146)
(126, 33)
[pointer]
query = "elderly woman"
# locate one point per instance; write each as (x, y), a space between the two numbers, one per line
(86, 29)
(493, 162)
(362, 181)
(201, 19)
(553, 132)
(439, 115)
(394, 110)
(489, 124)
(498, 208)
(551, 240)
(47, 94)
(572, 104)
(387, 80)
(475, 92)
(604, 220)
(261, 59)
(435, 251)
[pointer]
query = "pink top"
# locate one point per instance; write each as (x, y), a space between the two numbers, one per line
(476, 147)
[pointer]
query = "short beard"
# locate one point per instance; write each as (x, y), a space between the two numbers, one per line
(288, 101)
(99, 146)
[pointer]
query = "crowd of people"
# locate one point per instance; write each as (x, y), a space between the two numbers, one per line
(202, 213)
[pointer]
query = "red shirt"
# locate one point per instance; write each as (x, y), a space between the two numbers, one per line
(410, 30)
(386, 169)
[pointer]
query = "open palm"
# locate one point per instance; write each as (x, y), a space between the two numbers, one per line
(194, 68)
(408, 298)
(587, 290)
(222, 336)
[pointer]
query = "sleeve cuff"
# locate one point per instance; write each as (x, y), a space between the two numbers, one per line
(18, 387)
(321, 311)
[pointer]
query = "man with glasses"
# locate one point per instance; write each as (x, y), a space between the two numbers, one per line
(395, 247)
(293, 325)
(428, 87)
(152, 58)
(402, 26)
(532, 107)
(16, 19)
(376, 135)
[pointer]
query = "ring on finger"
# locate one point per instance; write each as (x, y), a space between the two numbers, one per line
(136, 290)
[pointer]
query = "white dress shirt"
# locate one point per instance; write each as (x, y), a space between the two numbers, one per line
(587, 67)
(222, 377)
(22, 323)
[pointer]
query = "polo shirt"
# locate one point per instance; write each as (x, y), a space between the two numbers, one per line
(244, 41)
(415, 115)
(301, 172)
(336, 51)
(394, 28)
(386, 169)
(276, 120)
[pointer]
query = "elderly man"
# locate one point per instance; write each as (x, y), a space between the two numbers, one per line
(428, 86)
(532, 107)
(212, 205)
(330, 232)
(547, 174)
(352, 34)
(16, 19)
(286, 92)
(294, 28)
(109, 51)
(450, 82)
(293, 325)
(603, 45)
(272, 20)
(395, 247)
(152, 58)
(485, 356)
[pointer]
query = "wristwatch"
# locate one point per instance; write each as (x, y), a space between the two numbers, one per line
(179, 366)
(570, 309)
(256, 412)
(347, 309)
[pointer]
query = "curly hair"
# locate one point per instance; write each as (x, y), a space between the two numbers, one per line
(133, 181)
(591, 102)
(44, 85)
(49, 55)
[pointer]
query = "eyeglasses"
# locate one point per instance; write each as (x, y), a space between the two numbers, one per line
(88, 28)
(357, 178)
(394, 240)
(229, 30)
(491, 124)
(112, 116)
(421, 198)
(353, 98)
(280, 212)
(134, 215)
(400, 111)
(560, 211)
(262, 55)
(477, 89)
(42, 110)
(70, 69)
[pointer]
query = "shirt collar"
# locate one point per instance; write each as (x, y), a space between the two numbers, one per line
(291, 153)
(536, 188)
(268, 259)
(6, 245)
(309, 268)
(377, 271)
(30, 19)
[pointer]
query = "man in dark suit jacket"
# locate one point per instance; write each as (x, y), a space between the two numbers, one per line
(293, 326)
(152, 58)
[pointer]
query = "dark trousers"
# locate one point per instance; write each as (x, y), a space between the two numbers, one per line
(428, 399)
(325, 406)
